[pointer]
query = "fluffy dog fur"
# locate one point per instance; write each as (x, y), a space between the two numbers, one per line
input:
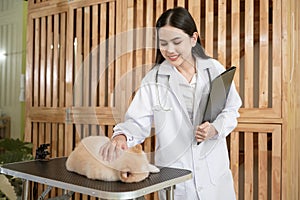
(131, 166)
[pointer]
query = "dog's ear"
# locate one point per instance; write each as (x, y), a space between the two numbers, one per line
(153, 168)
(137, 148)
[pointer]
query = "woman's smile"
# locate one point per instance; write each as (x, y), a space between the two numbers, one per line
(173, 57)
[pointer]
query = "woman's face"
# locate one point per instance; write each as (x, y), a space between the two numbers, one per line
(176, 46)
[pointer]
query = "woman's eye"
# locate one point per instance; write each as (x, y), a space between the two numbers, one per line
(177, 42)
(163, 44)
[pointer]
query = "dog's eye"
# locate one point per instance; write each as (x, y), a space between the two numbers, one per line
(128, 174)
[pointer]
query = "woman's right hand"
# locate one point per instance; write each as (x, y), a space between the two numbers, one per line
(113, 148)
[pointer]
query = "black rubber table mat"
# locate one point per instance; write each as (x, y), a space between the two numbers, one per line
(53, 172)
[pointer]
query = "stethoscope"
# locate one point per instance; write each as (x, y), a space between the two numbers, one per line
(160, 107)
(164, 108)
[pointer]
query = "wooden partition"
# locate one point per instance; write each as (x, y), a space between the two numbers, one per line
(256, 161)
(85, 59)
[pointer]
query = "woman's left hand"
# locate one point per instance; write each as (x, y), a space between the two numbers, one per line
(205, 131)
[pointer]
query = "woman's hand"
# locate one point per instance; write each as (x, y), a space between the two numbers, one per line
(113, 149)
(205, 131)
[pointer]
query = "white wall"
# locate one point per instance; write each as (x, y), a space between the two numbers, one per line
(11, 33)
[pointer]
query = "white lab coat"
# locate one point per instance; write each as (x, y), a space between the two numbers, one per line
(161, 103)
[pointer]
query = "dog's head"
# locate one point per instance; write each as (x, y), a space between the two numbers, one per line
(135, 165)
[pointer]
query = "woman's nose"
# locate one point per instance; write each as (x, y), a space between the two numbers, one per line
(170, 48)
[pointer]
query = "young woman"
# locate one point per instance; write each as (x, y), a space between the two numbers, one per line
(172, 96)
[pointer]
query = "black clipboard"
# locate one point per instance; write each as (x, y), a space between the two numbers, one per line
(219, 89)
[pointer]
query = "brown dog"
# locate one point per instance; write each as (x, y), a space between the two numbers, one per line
(131, 166)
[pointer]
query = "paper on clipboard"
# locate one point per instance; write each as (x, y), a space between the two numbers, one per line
(218, 94)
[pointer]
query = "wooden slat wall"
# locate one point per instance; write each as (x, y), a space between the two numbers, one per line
(61, 46)
(290, 57)
(256, 161)
(85, 61)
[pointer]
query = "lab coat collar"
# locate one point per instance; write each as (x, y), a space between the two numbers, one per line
(202, 65)
(202, 83)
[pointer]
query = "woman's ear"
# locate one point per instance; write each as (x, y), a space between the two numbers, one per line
(194, 39)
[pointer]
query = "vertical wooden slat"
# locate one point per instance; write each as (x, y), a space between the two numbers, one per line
(249, 17)
(62, 79)
(248, 190)
(86, 69)
(181, 3)
(111, 54)
(234, 159)
(296, 62)
(48, 77)
(86, 55)
(121, 45)
(68, 147)
(170, 4)
(94, 61)
(276, 164)
(36, 63)
(262, 166)
(276, 55)
(195, 10)
(42, 91)
(139, 55)
(130, 34)
(209, 27)
(159, 9)
(286, 106)
(118, 44)
(56, 48)
(263, 53)
(119, 27)
(62, 60)
(235, 39)
(103, 56)
(222, 31)
(150, 34)
(94, 55)
(78, 59)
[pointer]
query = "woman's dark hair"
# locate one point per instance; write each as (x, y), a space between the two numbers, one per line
(180, 18)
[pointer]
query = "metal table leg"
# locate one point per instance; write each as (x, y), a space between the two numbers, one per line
(45, 192)
(25, 185)
(170, 193)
